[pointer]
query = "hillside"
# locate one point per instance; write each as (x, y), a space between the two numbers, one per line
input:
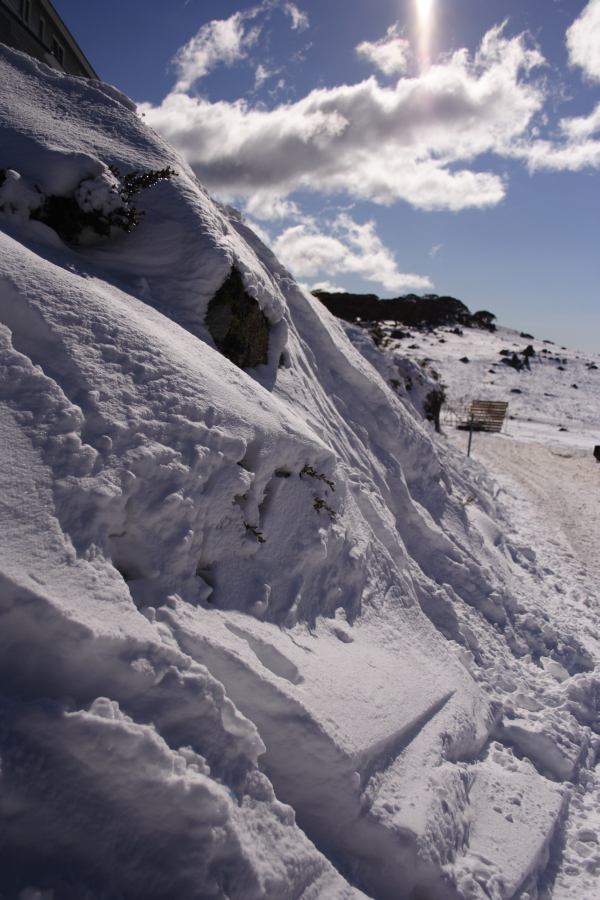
(263, 634)
(553, 396)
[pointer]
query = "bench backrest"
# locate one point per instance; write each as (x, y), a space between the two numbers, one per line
(488, 415)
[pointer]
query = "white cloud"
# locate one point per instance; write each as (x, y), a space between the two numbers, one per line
(390, 53)
(220, 42)
(227, 41)
(567, 157)
(261, 74)
(271, 206)
(580, 127)
(299, 19)
(433, 252)
(413, 141)
(583, 40)
(576, 151)
(346, 248)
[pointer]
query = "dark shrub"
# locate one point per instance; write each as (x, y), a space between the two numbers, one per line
(141, 181)
(65, 216)
(432, 406)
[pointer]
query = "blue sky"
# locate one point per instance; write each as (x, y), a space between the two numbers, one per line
(429, 145)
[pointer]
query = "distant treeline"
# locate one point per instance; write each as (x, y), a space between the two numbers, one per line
(430, 309)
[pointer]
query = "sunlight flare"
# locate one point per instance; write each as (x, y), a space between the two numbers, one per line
(424, 10)
(425, 15)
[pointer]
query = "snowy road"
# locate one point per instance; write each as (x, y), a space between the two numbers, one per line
(552, 492)
(561, 485)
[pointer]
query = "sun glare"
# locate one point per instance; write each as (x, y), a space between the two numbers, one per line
(424, 15)
(424, 10)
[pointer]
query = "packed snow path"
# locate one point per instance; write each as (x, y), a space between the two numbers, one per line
(553, 491)
(560, 486)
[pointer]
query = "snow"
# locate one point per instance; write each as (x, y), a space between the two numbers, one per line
(560, 390)
(263, 633)
(99, 194)
(547, 481)
(16, 197)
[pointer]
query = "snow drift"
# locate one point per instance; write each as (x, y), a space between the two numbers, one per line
(253, 640)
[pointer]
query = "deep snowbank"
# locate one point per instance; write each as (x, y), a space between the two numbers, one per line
(216, 581)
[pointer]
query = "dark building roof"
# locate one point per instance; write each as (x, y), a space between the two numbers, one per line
(35, 27)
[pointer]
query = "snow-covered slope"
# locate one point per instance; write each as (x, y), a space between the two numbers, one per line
(262, 634)
(555, 397)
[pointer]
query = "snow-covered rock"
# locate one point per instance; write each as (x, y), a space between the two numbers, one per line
(259, 629)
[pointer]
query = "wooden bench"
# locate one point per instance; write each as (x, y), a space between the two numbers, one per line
(485, 415)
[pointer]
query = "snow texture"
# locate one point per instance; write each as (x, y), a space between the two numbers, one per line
(263, 634)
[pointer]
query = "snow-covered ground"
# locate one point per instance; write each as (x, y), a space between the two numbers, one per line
(552, 492)
(554, 400)
(263, 634)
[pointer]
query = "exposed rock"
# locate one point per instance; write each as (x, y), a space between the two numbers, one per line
(380, 339)
(513, 361)
(237, 324)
